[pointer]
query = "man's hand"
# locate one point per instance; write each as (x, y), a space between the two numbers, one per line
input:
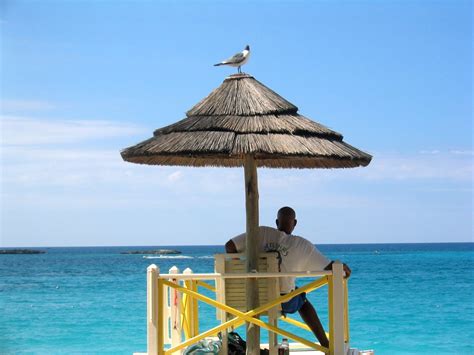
(347, 270)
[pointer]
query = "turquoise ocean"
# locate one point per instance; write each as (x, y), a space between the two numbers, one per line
(403, 298)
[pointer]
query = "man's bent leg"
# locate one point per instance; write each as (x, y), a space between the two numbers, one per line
(310, 317)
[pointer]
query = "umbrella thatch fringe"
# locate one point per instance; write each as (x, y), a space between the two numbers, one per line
(231, 146)
(224, 161)
(291, 124)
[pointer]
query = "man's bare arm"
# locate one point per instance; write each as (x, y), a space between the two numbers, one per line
(230, 247)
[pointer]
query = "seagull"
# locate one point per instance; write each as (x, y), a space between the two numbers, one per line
(237, 60)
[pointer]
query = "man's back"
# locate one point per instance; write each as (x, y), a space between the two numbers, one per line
(295, 253)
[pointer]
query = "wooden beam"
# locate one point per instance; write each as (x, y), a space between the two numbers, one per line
(251, 248)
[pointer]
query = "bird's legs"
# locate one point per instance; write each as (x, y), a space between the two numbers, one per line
(238, 70)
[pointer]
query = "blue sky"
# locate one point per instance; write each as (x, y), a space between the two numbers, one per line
(82, 80)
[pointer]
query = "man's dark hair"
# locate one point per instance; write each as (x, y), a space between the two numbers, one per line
(287, 212)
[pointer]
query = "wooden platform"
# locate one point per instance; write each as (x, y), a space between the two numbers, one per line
(295, 348)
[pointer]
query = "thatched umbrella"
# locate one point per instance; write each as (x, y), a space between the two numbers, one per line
(244, 123)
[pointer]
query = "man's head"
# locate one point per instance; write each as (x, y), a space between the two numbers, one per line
(286, 219)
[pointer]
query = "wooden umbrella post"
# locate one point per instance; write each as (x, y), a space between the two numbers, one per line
(251, 248)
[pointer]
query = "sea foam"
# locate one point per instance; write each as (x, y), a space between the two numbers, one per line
(168, 257)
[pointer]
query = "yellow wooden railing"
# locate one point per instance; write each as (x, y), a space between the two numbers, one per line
(172, 307)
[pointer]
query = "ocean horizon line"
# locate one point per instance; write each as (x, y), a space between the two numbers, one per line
(222, 245)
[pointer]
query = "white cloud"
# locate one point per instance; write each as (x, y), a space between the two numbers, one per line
(175, 176)
(19, 134)
(434, 151)
(48, 167)
(26, 105)
(34, 131)
(36, 168)
(462, 152)
(64, 166)
(94, 184)
(452, 151)
(34, 161)
(439, 166)
(46, 152)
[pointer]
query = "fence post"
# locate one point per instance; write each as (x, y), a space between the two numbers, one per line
(175, 307)
(219, 267)
(336, 340)
(195, 309)
(152, 309)
(273, 292)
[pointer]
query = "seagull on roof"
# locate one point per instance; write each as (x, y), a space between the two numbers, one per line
(237, 60)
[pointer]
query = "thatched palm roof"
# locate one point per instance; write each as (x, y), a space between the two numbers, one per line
(243, 116)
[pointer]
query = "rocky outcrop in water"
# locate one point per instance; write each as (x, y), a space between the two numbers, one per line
(21, 251)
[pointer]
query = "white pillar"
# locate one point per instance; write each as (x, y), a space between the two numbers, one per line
(152, 309)
(175, 308)
(337, 342)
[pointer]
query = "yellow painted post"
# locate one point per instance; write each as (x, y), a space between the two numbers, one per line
(219, 267)
(152, 303)
(195, 310)
(187, 316)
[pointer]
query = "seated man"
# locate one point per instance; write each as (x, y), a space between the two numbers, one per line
(294, 254)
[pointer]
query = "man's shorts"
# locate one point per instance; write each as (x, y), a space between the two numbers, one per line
(293, 305)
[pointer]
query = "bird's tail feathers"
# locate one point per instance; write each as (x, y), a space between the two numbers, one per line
(216, 65)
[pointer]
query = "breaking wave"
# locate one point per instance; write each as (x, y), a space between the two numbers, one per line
(168, 257)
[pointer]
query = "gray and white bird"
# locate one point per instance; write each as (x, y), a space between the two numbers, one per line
(237, 60)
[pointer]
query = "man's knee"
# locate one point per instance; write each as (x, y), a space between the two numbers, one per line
(307, 306)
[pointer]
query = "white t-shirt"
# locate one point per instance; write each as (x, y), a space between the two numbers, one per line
(297, 254)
